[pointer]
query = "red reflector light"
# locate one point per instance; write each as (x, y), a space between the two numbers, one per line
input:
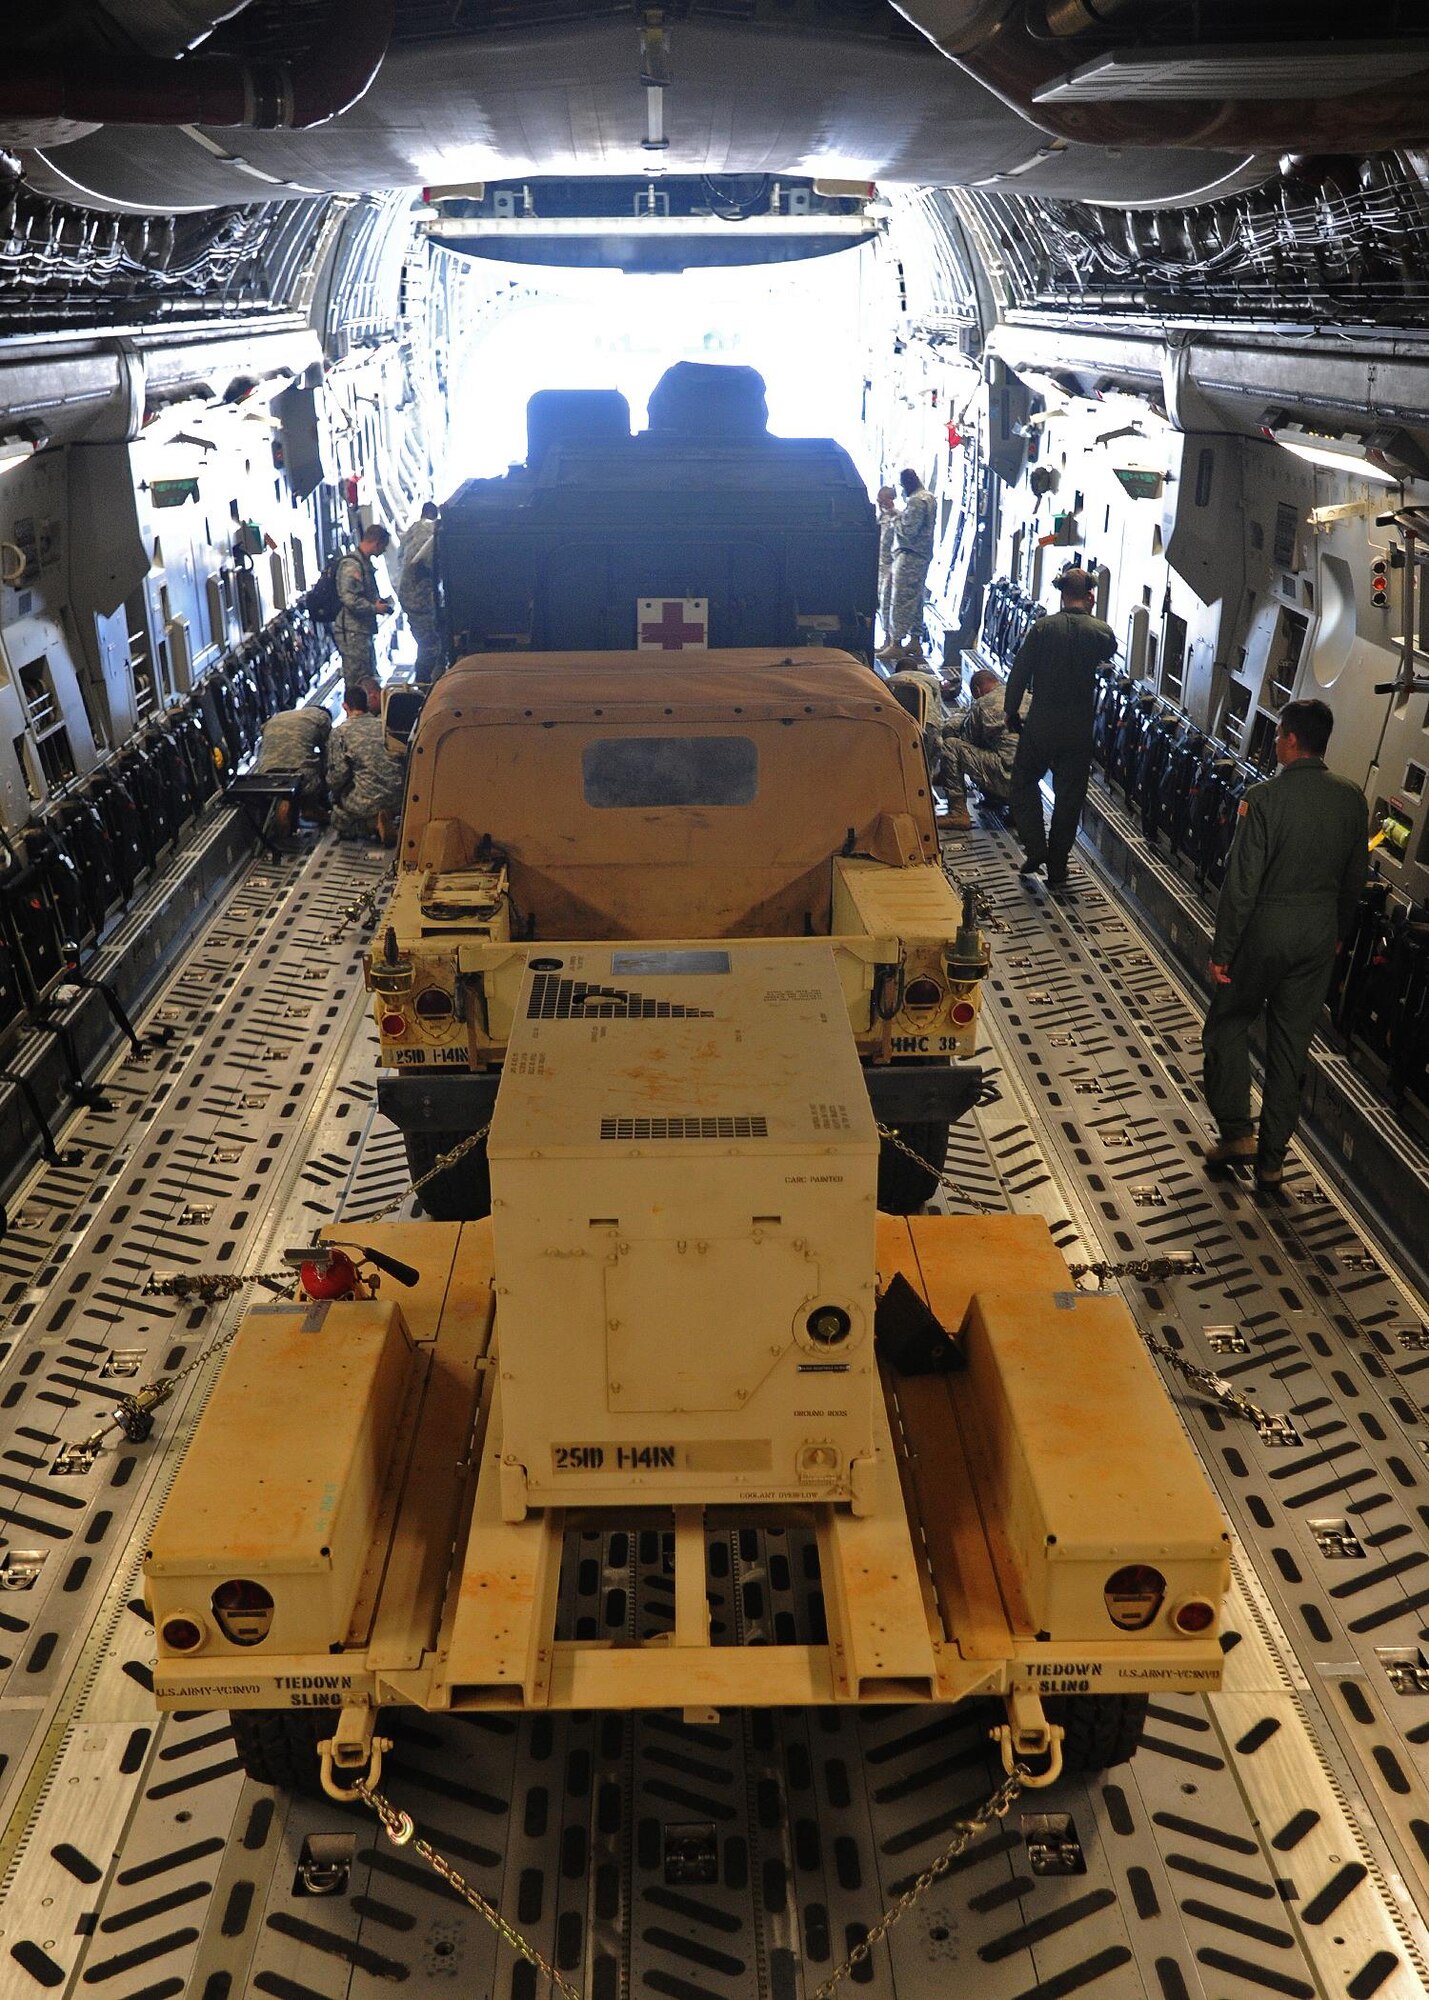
(1197, 1614)
(963, 1013)
(922, 993)
(1134, 1596)
(181, 1635)
(394, 1025)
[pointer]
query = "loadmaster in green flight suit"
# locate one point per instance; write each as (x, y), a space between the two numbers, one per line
(1297, 865)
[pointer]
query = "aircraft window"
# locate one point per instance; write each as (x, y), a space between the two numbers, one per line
(633, 771)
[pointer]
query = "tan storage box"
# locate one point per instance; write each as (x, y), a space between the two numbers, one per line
(1064, 1502)
(283, 1483)
(684, 1168)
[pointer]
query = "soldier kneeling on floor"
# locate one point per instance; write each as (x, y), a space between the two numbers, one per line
(364, 779)
(976, 745)
(295, 740)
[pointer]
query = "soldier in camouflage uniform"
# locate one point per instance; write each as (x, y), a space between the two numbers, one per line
(417, 593)
(976, 744)
(360, 606)
(364, 779)
(1297, 865)
(912, 553)
(295, 740)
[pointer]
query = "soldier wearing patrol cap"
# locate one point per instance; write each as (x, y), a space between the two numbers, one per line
(1297, 865)
(359, 605)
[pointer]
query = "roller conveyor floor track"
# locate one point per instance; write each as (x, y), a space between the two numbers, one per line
(1269, 1840)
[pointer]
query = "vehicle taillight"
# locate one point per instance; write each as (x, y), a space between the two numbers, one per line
(963, 1013)
(1197, 1614)
(1134, 1595)
(921, 994)
(181, 1633)
(394, 1025)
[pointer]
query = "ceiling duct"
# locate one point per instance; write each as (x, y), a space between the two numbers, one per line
(342, 50)
(170, 28)
(1100, 85)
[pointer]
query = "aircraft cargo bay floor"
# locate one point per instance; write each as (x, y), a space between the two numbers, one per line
(1273, 1839)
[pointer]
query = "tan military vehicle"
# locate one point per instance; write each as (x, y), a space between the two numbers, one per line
(684, 1321)
(693, 919)
(713, 799)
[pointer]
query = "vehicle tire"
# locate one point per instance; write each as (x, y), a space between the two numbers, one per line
(903, 1186)
(279, 1746)
(463, 1192)
(1101, 1729)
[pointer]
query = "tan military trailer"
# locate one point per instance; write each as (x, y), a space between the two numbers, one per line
(716, 799)
(684, 1320)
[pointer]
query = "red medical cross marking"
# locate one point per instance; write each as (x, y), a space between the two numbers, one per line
(670, 631)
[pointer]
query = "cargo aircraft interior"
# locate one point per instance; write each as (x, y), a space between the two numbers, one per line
(640, 1385)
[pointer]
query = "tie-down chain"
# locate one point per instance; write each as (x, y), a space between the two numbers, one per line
(400, 1829)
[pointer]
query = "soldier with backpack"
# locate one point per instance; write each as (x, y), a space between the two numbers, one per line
(347, 598)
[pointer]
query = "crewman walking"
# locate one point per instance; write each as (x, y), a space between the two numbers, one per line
(1297, 865)
(1059, 661)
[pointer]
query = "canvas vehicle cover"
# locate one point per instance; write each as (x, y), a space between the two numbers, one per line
(633, 796)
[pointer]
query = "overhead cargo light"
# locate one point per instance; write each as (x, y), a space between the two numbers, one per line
(1335, 454)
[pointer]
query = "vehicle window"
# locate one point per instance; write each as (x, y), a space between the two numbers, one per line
(670, 771)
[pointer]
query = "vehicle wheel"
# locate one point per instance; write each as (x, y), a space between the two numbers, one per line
(279, 1746)
(903, 1186)
(1102, 1729)
(463, 1192)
